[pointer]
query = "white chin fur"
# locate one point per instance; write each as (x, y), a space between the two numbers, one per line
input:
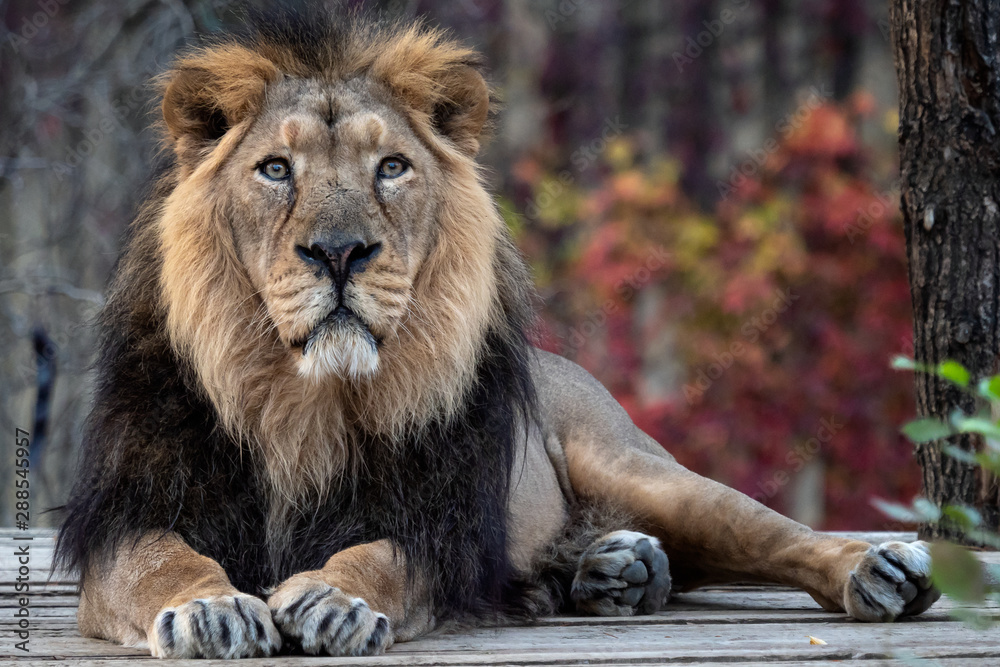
(346, 350)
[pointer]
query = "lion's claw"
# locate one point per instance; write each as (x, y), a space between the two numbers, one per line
(622, 574)
(220, 626)
(891, 581)
(323, 619)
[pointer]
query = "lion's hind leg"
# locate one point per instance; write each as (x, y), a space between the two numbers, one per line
(622, 574)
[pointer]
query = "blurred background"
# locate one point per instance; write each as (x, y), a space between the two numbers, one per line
(705, 191)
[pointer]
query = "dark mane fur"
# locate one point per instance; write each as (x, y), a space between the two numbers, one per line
(156, 458)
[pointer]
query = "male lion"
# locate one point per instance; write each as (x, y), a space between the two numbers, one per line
(315, 388)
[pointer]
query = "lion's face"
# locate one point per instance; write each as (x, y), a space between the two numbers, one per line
(332, 199)
(331, 260)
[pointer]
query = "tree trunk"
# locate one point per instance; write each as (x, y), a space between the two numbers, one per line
(947, 66)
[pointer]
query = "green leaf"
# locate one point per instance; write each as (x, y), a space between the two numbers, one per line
(993, 572)
(960, 454)
(980, 425)
(903, 364)
(967, 517)
(911, 660)
(973, 618)
(926, 429)
(990, 461)
(989, 388)
(955, 372)
(926, 510)
(957, 573)
(896, 511)
(986, 539)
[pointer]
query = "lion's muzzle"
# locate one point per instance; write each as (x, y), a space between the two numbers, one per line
(339, 255)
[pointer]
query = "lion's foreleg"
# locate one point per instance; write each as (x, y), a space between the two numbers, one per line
(359, 603)
(159, 593)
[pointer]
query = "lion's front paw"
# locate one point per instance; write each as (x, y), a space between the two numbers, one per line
(219, 626)
(892, 580)
(622, 574)
(323, 619)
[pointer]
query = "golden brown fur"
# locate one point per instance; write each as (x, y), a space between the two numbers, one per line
(237, 340)
(323, 337)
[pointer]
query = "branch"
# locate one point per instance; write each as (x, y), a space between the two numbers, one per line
(37, 289)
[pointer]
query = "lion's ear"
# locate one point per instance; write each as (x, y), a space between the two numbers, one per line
(464, 107)
(439, 78)
(209, 92)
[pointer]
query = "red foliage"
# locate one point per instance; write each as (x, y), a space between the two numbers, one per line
(753, 343)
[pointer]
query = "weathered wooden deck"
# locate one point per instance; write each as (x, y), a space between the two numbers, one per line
(736, 625)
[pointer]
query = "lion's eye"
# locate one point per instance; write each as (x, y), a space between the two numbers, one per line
(276, 169)
(392, 167)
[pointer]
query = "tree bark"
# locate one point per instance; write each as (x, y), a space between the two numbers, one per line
(948, 71)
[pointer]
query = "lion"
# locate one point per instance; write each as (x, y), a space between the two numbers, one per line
(319, 423)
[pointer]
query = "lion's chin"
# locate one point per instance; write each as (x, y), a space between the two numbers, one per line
(342, 346)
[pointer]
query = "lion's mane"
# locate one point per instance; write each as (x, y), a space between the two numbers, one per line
(198, 428)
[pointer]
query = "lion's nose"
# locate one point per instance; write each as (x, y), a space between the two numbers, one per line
(340, 259)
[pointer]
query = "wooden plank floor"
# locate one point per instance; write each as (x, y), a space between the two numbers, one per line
(735, 625)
